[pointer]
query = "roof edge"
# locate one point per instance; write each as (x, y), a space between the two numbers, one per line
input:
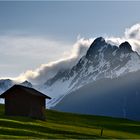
(25, 88)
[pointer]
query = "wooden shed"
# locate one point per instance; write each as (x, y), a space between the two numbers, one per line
(24, 101)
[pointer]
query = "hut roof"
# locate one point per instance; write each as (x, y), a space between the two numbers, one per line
(26, 89)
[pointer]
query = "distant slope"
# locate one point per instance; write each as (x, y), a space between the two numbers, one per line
(118, 97)
(65, 125)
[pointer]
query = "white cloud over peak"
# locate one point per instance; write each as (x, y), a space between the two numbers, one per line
(46, 71)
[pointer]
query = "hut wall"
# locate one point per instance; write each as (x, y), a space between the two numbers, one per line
(20, 103)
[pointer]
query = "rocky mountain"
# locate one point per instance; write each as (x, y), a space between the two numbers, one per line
(117, 97)
(102, 60)
(5, 84)
(26, 84)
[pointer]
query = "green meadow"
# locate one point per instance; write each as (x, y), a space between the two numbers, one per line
(67, 125)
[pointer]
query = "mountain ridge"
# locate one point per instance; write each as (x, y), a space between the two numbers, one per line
(102, 60)
(96, 48)
(106, 61)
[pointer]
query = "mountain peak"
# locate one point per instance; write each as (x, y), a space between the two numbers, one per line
(99, 39)
(126, 47)
(97, 44)
(26, 83)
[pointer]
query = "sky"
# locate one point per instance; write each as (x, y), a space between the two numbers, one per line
(34, 35)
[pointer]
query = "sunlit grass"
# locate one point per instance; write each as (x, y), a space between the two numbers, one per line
(66, 125)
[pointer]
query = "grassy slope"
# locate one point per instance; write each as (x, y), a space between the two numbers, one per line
(66, 125)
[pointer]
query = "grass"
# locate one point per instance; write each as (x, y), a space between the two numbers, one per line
(67, 125)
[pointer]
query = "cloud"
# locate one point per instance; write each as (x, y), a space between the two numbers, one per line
(132, 35)
(133, 32)
(46, 71)
(21, 52)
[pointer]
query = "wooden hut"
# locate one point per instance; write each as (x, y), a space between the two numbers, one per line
(24, 101)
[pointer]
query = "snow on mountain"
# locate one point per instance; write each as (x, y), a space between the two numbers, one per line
(102, 60)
